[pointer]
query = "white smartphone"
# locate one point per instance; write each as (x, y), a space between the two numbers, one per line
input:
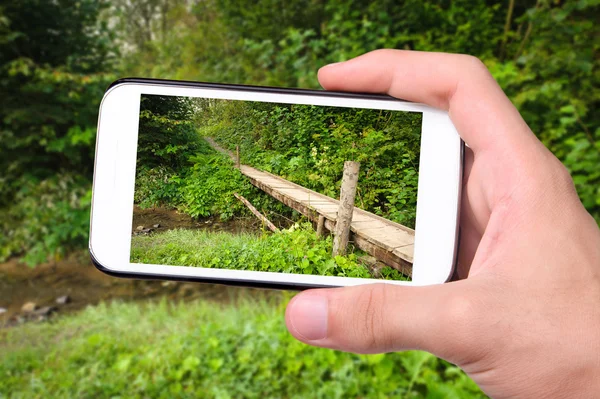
(272, 187)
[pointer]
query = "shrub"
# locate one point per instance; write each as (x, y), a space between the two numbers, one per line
(48, 219)
(167, 136)
(157, 186)
(208, 187)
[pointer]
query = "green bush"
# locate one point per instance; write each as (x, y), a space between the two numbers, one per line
(295, 250)
(48, 219)
(208, 187)
(204, 350)
(167, 135)
(55, 63)
(157, 186)
(203, 188)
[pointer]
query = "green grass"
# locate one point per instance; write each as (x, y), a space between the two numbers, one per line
(203, 350)
(296, 250)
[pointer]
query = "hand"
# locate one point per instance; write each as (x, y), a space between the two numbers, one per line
(524, 320)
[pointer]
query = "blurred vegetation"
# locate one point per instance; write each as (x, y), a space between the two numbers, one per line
(53, 72)
(56, 60)
(204, 350)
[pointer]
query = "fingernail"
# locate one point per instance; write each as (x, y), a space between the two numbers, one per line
(332, 64)
(309, 316)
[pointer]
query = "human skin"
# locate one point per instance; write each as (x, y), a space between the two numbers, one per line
(523, 321)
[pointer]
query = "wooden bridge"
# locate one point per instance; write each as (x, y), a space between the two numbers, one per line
(387, 241)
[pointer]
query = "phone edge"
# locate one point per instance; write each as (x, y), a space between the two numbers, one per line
(234, 283)
(252, 88)
(458, 234)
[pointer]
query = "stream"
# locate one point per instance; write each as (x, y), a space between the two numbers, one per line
(68, 285)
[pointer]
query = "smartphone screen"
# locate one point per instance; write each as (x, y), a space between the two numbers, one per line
(248, 185)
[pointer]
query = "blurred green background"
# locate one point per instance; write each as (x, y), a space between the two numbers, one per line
(56, 60)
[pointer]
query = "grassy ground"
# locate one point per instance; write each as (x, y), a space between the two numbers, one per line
(203, 350)
(297, 250)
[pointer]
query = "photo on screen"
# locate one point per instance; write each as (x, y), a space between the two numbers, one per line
(262, 186)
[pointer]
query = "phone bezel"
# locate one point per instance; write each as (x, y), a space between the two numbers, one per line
(110, 233)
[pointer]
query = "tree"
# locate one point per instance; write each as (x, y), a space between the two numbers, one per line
(167, 134)
(53, 62)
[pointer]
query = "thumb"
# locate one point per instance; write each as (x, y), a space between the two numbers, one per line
(374, 318)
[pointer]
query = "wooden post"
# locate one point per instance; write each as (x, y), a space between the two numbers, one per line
(341, 233)
(256, 213)
(237, 156)
(321, 226)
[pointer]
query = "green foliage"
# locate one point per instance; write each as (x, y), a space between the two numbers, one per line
(295, 250)
(308, 145)
(544, 57)
(177, 168)
(203, 188)
(167, 136)
(208, 187)
(203, 349)
(352, 27)
(157, 186)
(53, 71)
(552, 76)
(257, 19)
(49, 218)
(51, 89)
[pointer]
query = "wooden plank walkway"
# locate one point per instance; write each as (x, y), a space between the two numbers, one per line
(387, 241)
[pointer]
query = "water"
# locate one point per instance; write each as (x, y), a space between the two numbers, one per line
(77, 278)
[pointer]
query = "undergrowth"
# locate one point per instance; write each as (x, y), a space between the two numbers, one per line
(296, 250)
(203, 188)
(204, 350)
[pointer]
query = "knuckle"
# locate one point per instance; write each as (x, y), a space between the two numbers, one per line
(473, 64)
(471, 315)
(554, 177)
(468, 330)
(383, 52)
(371, 320)
(563, 176)
(462, 311)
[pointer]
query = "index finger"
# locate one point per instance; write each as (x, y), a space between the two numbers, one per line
(459, 84)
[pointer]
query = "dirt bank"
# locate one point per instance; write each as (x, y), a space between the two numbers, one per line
(40, 293)
(83, 285)
(167, 219)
